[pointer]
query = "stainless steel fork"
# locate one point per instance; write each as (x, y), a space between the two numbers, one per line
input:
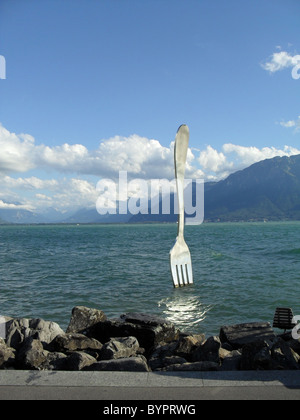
(180, 257)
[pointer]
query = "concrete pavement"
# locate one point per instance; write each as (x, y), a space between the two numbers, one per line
(143, 386)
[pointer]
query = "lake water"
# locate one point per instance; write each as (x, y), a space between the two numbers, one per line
(242, 272)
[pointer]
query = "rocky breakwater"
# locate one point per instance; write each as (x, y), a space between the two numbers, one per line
(140, 342)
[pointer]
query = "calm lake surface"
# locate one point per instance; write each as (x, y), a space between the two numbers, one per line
(242, 272)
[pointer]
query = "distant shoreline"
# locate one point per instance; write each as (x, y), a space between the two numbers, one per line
(206, 222)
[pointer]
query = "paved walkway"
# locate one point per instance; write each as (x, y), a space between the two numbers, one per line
(171, 386)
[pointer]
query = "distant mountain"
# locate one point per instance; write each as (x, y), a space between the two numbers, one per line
(92, 216)
(269, 189)
(20, 216)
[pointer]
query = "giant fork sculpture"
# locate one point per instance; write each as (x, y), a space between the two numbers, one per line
(180, 257)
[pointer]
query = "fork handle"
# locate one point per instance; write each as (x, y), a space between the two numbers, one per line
(180, 154)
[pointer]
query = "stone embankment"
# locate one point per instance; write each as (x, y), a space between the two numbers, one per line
(140, 342)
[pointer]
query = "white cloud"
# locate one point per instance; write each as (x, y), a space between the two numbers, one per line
(246, 156)
(213, 161)
(12, 206)
(30, 183)
(217, 165)
(139, 156)
(36, 194)
(291, 124)
(75, 170)
(74, 193)
(65, 158)
(288, 124)
(16, 152)
(281, 60)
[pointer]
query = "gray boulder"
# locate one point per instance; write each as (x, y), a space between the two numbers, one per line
(186, 345)
(17, 330)
(269, 355)
(31, 354)
(118, 348)
(7, 355)
(78, 360)
(75, 342)
(160, 353)
(208, 351)
(284, 357)
(230, 360)
(149, 330)
(294, 345)
(54, 361)
(83, 318)
(163, 364)
(256, 356)
(240, 334)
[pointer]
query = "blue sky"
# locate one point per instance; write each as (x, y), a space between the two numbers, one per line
(97, 86)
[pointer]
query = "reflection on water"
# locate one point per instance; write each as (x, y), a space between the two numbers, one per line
(184, 309)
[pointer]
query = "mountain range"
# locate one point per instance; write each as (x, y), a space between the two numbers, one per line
(267, 190)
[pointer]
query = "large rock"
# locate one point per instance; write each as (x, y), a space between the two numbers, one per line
(31, 354)
(149, 330)
(17, 330)
(83, 318)
(294, 345)
(78, 360)
(54, 361)
(269, 355)
(188, 344)
(118, 348)
(208, 351)
(161, 364)
(75, 342)
(129, 364)
(157, 358)
(256, 356)
(7, 355)
(284, 357)
(239, 335)
(230, 360)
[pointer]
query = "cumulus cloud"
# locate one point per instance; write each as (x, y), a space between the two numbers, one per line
(30, 183)
(75, 169)
(12, 206)
(137, 155)
(246, 156)
(288, 124)
(292, 124)
(16, 151)
(215, 162)
(63, 158)
(281, 60)
(217, 165)
(35, 194)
